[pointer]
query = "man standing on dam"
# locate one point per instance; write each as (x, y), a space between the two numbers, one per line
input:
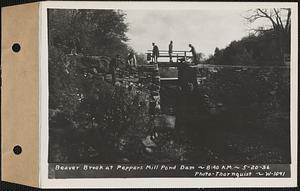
(194, 54)
(171, 50)
(155, 52)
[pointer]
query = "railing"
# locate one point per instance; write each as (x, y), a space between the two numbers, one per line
(177, 54)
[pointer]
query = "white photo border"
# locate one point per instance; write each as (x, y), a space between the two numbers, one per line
(45, 182)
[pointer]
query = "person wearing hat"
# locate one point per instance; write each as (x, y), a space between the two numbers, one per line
(194, 54)
(155, 52)
(171, 50)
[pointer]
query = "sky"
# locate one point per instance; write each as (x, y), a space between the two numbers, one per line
(205, 29)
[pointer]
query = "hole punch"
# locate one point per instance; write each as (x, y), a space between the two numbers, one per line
(16, 47)
(17, 149)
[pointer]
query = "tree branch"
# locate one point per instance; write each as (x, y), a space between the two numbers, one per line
(278, 19)
(288, 20)
(269, 17)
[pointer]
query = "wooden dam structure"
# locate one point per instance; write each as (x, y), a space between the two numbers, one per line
(185, 73)
(164, 78)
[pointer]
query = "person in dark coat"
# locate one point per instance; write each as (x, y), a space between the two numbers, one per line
(171, 50)
(155, 52)
(194, 54)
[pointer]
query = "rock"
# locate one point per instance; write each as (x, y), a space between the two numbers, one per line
(219, 104)
(147, 142)
(125, 160)
(154, 136)
(157, 108)
(118, 84)
(149, 150)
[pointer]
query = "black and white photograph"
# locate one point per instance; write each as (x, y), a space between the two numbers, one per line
(169, 92)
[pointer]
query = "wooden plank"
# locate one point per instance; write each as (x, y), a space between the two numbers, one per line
(236, 66)
(168, 79)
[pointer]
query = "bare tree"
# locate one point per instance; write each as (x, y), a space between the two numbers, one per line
(280, 20)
